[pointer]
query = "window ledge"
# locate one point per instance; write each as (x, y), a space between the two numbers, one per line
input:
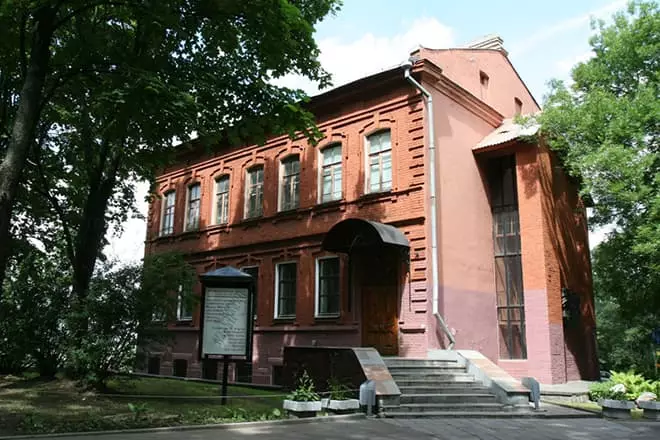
(371, 197)
(326, 318)
(184, 322)
(285, 320)
(286, 215)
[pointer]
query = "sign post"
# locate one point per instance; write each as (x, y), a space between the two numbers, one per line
(226, 318)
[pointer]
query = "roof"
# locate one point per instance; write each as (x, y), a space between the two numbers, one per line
(356, 232)
(507, 132)
(226, 273)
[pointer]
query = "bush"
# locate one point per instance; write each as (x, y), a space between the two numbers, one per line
(601, 390)
(338, 391)
(305, 391)
(635, 384)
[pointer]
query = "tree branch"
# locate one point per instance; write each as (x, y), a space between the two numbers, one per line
(53, 200)
(21, 43)
(82, 9)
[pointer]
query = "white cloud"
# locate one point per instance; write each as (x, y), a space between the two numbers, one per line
(349, 61)
(548, 32)
(129, 247)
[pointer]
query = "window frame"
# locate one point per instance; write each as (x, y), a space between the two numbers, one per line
(276, 307)
(246, 207)
(255, 299)
(367, 163)
(317, 289)
(180, 308)
(214, 210)
(280, 183)
(186, 221)
(322, 167)
(163, 213)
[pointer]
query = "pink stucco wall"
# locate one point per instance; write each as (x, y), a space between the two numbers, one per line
(463, 66)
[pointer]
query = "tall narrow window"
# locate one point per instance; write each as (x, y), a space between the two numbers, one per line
(289, 183)
(192, 218)
(327, 287)
(253, 271)
(285, 290)
(331, 178)
(254, 192)
(484, 80)
(379, 162)
(183, 307)
(517, 106)
(167, 223)
(222, 200)
(508, 265)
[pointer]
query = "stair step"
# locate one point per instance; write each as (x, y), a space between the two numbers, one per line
(421, 363)
(453, 407)
(459, 414)
(451, 388)
(420, 369)
(447, 398)
(432, 378)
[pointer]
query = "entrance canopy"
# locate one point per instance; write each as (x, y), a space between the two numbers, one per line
(356, 233)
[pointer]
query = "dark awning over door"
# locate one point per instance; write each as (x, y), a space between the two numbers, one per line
(356, 233)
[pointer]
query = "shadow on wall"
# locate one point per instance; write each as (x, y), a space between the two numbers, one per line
(565, 215)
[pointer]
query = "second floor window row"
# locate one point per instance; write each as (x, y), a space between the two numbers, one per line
(377, 171)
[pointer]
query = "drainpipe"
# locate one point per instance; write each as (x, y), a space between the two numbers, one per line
(407, 65)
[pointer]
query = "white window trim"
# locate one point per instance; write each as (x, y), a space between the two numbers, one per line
(163, 208)
(320, 172)
(367, 168)
(280, 180)
(277, 289)
(214, 207)
(317, 283)
(185, 213)
(179, 307)
(246, 195)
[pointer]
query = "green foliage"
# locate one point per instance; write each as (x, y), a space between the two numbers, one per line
(305, 390)
(338, 391)
(605, 126)
(120, 308)
(138, 410)
(635, 385)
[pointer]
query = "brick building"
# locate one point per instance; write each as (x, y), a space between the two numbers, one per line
(352, 245)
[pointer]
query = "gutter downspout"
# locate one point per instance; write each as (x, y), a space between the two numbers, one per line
(407, 65)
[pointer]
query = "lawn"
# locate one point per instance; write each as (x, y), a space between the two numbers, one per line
(592, 407)
(31, 405)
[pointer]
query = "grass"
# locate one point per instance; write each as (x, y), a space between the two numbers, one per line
(29, 405)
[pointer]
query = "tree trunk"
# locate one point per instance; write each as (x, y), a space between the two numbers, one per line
(90, 238)
(23, 129)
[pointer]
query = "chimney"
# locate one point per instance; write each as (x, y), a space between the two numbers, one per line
(492, 41)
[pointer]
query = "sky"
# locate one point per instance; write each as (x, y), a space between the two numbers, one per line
(544, 40)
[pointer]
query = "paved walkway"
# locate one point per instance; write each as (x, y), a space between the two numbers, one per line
(417, 429)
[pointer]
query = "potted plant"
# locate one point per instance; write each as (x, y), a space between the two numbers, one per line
(615, 404)
(618, 395)
(303, 401)
(340, 401)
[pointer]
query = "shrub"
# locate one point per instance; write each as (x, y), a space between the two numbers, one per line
(338, 391)
(635, 384)
(601, 390)
(305, 391)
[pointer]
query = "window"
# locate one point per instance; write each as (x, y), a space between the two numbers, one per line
(243, 372)
(379, 162)
(330, 174)
(222, 200)
(285, 290)
(254, 192)
(517, 106)
(167, 223)
(210, 369)
(153, 365)
(484, 80)
(183, 307)
(253, 271)
(192, 215)
(327, 286)
(508, 265)
(180, 368)
(289, 183)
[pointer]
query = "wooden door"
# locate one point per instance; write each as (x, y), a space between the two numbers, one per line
(380, 298)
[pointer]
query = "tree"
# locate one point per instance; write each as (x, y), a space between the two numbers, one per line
(121, 307)
(107, 85)
(605, 127)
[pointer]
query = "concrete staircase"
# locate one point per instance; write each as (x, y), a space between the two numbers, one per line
(440, 388)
